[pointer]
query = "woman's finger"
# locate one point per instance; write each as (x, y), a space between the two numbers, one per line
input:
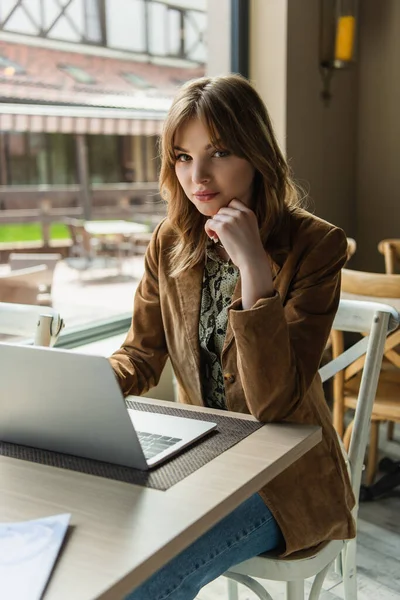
(238, 205)
(223, 218)
(210, 231)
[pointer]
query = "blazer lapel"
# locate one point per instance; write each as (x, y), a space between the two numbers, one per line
(189, 285)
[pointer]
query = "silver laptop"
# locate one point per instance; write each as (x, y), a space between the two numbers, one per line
(68, 402)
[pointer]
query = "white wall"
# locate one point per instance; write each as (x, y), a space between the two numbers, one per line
(378, 131)
(268, 57)
(321, 140)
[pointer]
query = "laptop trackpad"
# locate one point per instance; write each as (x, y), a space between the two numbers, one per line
(179, 430)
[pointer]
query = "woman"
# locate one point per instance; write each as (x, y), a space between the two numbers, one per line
(240, 290)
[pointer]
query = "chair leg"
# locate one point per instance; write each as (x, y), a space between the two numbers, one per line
(372, 452)
(318, 583)
(233, 591)
(350, 571)
(295, 590)
(253, 585)
(338, 568)
(390, 430)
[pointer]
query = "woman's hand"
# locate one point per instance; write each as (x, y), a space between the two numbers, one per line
(236, 228)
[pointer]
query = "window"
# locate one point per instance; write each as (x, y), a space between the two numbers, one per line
(62, 153)
(18, 159)
(78, 74)
(122, 170)
(104, 153)
(93, 24)
(40, 158)
(136, 80)
(79, 21)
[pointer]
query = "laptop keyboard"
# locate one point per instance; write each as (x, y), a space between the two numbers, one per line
(153, 443)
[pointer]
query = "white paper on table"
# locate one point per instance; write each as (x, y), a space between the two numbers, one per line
(28, 551)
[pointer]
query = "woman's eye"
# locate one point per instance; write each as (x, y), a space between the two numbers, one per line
(221, 153)
(182, 157)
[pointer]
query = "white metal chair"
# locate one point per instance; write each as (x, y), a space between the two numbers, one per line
(42, 324)
(356, 316)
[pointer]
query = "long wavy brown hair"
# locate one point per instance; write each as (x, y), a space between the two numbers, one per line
(236, 119)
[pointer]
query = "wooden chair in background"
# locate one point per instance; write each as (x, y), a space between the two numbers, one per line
(390, 248)
(351, 247)
(372, 287)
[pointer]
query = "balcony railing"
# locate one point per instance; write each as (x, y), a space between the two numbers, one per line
(48, 204)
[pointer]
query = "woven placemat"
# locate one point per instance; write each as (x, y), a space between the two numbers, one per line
(228, 433)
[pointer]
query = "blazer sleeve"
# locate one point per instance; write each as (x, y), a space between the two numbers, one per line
(279, 345)
(139, 362)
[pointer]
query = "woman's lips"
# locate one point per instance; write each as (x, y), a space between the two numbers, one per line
(206, 197)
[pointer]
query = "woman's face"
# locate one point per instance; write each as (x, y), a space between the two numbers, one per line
(210, 177)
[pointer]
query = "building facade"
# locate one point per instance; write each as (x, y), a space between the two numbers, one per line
(84, 88)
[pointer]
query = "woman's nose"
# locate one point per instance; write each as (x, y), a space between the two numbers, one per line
(200, 173)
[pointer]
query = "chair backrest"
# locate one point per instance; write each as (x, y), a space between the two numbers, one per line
(376, 285)
(373, 287)
(390, 248)
(42, 324)
(24, 285)
(19, 260)
(377, 320)
(79, 236)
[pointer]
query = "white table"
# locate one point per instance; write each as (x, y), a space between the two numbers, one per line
(115, 227)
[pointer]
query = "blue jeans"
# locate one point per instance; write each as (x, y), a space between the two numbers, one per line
(247, 531)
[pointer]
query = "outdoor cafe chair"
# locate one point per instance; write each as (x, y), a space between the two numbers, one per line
(24, 260)
(25, 286)
(88, 251)
(355, 316)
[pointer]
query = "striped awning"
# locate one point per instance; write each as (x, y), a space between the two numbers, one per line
(79, 119)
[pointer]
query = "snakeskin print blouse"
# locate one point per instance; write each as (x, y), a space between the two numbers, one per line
(219, 281)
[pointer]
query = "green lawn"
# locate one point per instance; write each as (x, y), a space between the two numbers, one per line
(27, 232)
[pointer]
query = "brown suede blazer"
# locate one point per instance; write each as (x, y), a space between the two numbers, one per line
(270, 362)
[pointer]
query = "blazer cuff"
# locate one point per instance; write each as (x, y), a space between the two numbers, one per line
(236, 308)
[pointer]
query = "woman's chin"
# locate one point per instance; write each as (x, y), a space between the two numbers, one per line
(207, 210)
